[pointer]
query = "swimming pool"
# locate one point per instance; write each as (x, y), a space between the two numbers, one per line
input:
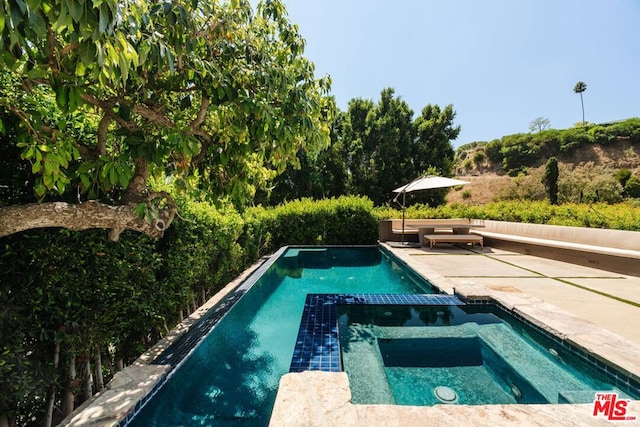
(467, 354)
(232, 376)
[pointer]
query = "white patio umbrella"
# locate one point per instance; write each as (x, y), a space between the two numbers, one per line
(426, 182)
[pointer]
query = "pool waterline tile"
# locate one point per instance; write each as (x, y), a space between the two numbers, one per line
(317, 346)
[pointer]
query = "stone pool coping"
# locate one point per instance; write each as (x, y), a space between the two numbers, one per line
(315, 398)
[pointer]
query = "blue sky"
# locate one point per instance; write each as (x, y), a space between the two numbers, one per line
(500, 63)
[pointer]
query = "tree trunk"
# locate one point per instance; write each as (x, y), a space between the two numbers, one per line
(86, 380)
(165, 326)
(4, 421)
(204, 296)
(69, 396)
(137, 184)
(119, 364)
(92, 214)
(181, 315)
(99, 379)
(48, 422)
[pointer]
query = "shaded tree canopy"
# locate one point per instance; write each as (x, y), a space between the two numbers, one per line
(100, 98)
(388, 148)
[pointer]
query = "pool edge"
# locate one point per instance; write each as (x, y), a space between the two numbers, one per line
(130, 389)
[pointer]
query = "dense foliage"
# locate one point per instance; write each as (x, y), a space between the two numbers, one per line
(375, 147)
(99, 97)
(76, 302)
(620, 216)
(589, 183)
(517, 152)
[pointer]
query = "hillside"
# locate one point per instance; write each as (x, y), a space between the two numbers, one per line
(489, 180)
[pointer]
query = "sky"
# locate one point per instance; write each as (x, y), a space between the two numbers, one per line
(500, 63)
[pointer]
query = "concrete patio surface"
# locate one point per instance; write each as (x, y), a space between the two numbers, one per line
(597, 296)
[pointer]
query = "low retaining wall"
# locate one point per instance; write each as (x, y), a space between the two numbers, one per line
(612, 250)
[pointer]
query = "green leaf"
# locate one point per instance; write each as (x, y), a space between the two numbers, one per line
(76, 10)
(80, 69)
(47, 180)
(124, 179)
(62, 98)
(48, 168)
(113, 176)
(75, 98)
(105, 17)
(124, 68)
(85, 181)
(36, 167)
(84, 168)
(39, 190)
(141, 210)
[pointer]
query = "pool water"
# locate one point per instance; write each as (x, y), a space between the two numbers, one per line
(232, 377)
(427, 355)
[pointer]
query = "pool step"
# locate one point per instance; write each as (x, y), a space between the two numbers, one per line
(542, 373)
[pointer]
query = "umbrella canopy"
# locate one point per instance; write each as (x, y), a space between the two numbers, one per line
(428, 182)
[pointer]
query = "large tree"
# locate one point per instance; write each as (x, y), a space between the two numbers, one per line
(380, 146)
(387, 147)
(103, 96)
(432, 151)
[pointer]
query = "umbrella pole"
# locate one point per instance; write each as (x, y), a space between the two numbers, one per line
(403, 206)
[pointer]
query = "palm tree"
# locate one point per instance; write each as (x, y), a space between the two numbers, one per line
(579, 88)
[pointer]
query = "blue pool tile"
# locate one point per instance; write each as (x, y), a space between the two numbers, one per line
(317, 345)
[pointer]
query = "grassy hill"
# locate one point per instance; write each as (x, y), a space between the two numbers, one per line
(596, 163)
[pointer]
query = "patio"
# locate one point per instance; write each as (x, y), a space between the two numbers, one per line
(596, 296)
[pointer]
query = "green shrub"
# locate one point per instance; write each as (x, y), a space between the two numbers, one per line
(341, 221)
(479, 156)
(632, 186)
(591, 183)
(623, 176)
(494, 151)
(200, 251)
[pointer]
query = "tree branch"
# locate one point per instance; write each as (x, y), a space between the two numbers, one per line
(107, 107)
(202, 114)
(103, 128)
(153, 116)
(14, 219)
